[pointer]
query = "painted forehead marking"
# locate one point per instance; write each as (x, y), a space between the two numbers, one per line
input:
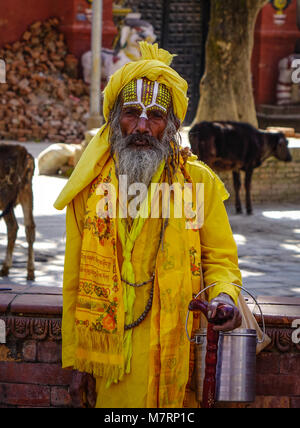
(146, 94)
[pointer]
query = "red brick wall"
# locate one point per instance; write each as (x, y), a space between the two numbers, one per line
(274, 181)
(31, 373)
(17, 15)
(30, 361)
(278, 380)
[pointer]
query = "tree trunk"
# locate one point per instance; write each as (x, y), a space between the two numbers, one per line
(226, 88)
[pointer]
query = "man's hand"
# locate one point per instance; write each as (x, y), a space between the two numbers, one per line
(231, 324)
(83, 390)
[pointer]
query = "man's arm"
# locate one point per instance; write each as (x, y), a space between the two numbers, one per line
(219, 250)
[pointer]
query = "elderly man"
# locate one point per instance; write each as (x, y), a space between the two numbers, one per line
(128, 280)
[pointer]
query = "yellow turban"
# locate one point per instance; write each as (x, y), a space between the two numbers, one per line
(155, 66)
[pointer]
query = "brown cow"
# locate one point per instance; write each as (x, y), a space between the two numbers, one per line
(235, 146)
(16, 172)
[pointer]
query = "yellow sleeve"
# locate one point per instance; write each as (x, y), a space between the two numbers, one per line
(218, 247)
(74, 229)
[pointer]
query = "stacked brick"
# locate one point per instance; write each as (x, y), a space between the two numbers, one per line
(43, 99)
(277, 380)
(30, 360)
(31, 376)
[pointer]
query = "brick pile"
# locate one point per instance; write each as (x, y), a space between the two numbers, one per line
(43, 99)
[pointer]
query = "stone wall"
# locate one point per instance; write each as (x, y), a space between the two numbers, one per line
(31, 375)
(274, 181)
(30, 360)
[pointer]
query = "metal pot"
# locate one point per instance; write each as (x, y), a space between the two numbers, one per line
(236, 366)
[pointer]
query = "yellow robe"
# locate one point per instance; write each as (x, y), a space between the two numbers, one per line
(219, 263)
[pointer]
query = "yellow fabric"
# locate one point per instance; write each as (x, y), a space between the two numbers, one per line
(103, 304)
(155, 66)
(102, 348)
(128, 239)
(218, 256)
(166, 354)
(99, 316)
(133, 390)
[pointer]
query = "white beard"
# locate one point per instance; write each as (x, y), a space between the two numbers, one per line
(139, 165)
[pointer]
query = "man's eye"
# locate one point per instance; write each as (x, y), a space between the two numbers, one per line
(155, 114)
(131, 112)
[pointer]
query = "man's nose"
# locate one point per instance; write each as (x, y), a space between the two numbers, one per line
(142, 125)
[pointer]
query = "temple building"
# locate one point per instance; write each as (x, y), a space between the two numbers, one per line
(181, 27)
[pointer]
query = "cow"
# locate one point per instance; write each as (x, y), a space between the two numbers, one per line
(16, 172)
(237, 146)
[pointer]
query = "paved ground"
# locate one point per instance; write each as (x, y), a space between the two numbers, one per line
(269, 249)
(268, 242)
(50, 232)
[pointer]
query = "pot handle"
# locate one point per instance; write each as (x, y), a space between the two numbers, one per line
(242, 288)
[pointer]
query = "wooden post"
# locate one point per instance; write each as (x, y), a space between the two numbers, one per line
(209, 385)
(95, 119)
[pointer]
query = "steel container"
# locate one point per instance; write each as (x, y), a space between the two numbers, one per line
(236, 367)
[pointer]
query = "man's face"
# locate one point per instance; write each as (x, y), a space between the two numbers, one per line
(132, 123)
(145, 105)
(141, 130)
